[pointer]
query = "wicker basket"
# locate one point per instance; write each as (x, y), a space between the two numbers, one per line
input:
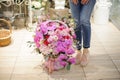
(5, 34)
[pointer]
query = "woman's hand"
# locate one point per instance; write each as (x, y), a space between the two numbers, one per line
(84, 1)
(75, 1)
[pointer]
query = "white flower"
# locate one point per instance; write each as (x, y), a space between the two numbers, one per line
(43, 3)
(55, 37)
(36, 4)
(50, 50)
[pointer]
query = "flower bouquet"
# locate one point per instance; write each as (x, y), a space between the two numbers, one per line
(54, 39)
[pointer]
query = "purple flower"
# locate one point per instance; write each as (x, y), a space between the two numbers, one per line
(63, 63)
(62, 57)
(70, 51)
(60, 47)
(72, 60)
(67, 43)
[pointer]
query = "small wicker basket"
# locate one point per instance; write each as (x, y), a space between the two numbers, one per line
(5, 34)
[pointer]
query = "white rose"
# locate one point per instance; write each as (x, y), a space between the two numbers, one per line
(43, 3)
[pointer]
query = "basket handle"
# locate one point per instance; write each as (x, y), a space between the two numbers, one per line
(56, 21)
(8, 23)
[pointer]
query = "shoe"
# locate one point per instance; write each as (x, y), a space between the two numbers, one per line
(78, 57)
(85, 58)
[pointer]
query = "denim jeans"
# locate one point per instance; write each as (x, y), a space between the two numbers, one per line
(81, 14)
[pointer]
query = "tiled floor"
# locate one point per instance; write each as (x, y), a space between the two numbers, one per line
(19, 62)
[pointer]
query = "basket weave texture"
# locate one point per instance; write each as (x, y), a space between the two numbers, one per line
(5, 34)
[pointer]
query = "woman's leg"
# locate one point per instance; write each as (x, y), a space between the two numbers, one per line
(75, 10)
(85, 15)
(85, 24)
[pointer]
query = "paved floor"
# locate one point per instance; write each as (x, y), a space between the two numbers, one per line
(19, 62)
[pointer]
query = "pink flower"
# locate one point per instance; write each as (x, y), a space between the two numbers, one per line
(37, 38)
(74, 36)
(72, 33)
(51, 26)
(52, 38)
(61, 27)
(44, 49)
(43, 28)
(39, 34)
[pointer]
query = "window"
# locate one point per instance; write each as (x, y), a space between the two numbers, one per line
(115, 13)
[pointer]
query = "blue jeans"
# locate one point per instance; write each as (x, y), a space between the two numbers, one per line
(81, 14)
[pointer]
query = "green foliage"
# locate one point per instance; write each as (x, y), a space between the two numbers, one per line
(68, 67)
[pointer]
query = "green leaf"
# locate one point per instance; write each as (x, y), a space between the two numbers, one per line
(68, 67)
